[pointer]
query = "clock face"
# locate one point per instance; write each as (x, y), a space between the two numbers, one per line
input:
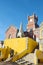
(30, 20)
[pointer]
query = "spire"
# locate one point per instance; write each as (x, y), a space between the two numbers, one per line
(20, 33)
(21, 28)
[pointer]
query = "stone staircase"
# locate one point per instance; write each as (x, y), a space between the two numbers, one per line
(26, 60)
(29, 57)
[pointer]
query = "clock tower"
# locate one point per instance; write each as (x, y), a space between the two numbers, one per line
(32, 22)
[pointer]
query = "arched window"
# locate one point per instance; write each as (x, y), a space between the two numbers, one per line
(10, 36)
(31, 31)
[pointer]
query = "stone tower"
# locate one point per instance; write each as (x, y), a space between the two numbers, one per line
(32, 22)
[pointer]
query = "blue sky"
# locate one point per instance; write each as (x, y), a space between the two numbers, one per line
(13, 12)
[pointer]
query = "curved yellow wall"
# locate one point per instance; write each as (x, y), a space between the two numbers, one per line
(4, 53)
(39, 55)
(17, 44)
(21, 46)
(31, 44)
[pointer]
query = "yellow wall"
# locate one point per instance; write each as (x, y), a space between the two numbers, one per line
(39, 55)
(31, 44)
(4, 53)
(18, 56)
(17, 44)
(21, 46)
